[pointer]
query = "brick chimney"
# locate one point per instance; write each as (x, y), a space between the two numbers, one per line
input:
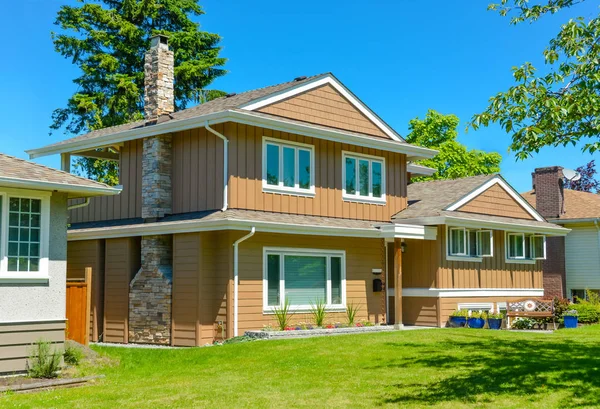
(548, 185)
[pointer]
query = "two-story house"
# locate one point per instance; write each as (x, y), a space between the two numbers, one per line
(295, 192)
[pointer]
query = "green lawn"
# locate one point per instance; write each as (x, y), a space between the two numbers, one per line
(460, 368)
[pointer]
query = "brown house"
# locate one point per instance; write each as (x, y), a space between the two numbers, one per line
(294, 192)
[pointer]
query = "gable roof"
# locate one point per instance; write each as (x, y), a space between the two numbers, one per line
(19, 173)
(578, 205)
(213, 112)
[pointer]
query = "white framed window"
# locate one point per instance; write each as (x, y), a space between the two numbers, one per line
(302, 277)
(489, 307)
(363, 178)
(24, 234)
(522, 247)
(288, 167)
(469, 244)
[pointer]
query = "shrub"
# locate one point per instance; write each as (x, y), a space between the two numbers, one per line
(495, 315)
(477, 314)
(318, 312)
(560, 306)
(283, 315)
(351, 311)
(44, 362)
(460, 313)
(523, 323)
(72, 355)
(588, 313)
(592, 297)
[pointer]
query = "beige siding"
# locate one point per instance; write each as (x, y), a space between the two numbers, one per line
(197, 182)
(582, 257)
(124, 206)
(419, 264)
(122, 263)
(422, 311)
(16, 341)
(83, 254)
(496, 201)
(325, 106)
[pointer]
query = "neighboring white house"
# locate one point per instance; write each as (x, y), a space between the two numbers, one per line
(33, 253)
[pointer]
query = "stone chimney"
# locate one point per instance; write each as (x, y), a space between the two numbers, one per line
(159, 76)
(548, 185)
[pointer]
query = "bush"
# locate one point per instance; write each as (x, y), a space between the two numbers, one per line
(460, 313)
(561, 305)
(72, 355)
(477, 314)
(523, 323)
(44, 362)
(588, 313)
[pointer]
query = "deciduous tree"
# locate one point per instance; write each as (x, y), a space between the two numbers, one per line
(588, 181)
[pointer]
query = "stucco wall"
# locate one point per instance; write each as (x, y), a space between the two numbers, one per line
(42, 301)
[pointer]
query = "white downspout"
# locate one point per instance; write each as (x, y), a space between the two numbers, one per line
(78, 205)
(225, 163)
(235, 279)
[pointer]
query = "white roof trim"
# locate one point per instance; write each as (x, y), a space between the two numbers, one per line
(73, 190)
(472, 292)
(415, 169)
(315, 83)
(509, 189)
(408, 231)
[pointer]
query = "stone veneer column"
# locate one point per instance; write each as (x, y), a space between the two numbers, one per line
(159, 77)
(157, 167)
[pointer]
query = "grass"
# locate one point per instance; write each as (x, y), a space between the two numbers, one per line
(457, 368)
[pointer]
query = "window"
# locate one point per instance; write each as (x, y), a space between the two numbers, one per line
(463, 242)
(303, 277)
(288, 167)
(363, 178)
(521, 246)
(23, 234)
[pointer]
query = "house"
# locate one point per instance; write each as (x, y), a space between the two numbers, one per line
(296, 192)
(575, 264)
(33, 254)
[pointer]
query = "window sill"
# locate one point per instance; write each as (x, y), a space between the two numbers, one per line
(291, 192)
(24, 279)
(364, 200)
(465, 258)
(304, 309)
(520, 261)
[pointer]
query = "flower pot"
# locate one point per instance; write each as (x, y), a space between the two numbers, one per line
(476, 322)
(494, 323)
(570, 322)
(458, 322)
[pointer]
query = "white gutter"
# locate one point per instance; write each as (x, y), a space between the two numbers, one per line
(79, 205)
(225, 162)
(236, 280)
(83, 191)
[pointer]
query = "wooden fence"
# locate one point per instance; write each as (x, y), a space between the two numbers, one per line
(79, 301)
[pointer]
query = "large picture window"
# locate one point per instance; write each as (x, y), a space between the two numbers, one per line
(470, 243)
(303, 277)
(363, 178)
(522, 246)
(288, 167)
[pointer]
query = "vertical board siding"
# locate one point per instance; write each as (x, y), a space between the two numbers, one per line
(202, 189)
(582, 258)
(422, 311)
(124, 206)
(496, 201)
(122, 263)
(83, 254)
(325, 106)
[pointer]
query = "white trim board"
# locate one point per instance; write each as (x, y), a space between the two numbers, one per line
(419, 170)
(472, 292)
(509, 189)
(318, 82)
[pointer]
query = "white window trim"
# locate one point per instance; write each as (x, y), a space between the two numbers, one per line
(491, 243)
(16, 276)
(544, 246)
(524, 259)
(286, 251)
(357, 197)
(466, 256)
(476, 306)
(296, 191)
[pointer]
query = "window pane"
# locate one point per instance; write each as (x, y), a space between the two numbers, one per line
(289, 166)
(35, 236)
(13, 264)
(537, 246)
(304, 169)
(363, 177)
(272, 165)
(457, 241)
(14, 204)
(350, 176)
(273, 280)
(305, 279)
(34, 264)
(336, 280)
(485, 243)
(516, 246)
(25, 205)
(527, 246)
(472, 243)
(36, 206)
(376, 178)
(24, 234)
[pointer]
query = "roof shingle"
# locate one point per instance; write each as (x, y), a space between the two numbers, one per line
(578, 205)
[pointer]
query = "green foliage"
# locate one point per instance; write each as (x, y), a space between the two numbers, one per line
(477, 314)
(107, 40)
(561, 104)
(561, 305)
(460, 313)
(495, 315)
(454, 160)
(351, 311)
(318, 312)
(238, 340)
(571, 313)
(44, 361)
(523, 323)
(588, 313)
(72, 355)
(283, 315)
(592, 297)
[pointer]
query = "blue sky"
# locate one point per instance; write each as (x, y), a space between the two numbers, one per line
(400, 57)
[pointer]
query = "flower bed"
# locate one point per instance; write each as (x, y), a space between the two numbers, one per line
(269, 333)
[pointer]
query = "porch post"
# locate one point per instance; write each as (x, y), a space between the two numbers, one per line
(398, 283)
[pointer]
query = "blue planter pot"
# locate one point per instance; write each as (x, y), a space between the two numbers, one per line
(494, 323)
(458, 322)
(476, 322)
(570, 322)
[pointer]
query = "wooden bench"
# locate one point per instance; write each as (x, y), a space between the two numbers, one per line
(530, 308)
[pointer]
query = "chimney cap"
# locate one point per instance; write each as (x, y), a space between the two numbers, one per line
(157, 39)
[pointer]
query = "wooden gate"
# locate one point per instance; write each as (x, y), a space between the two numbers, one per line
(79, 299)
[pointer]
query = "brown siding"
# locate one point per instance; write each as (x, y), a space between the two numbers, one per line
(198, 170)
(325, 106)
(122, 263)
(83, 254)
(124, 206)
(16, 340)
(421, 311)
(496, 201)
(420, 263)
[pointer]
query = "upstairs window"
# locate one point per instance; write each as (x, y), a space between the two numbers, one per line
(288, 167)
(363, 178)
(463, 242)
(521, 246)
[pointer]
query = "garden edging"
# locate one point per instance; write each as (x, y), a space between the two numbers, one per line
(261, 334)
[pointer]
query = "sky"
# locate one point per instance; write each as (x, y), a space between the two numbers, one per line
(400, 57)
